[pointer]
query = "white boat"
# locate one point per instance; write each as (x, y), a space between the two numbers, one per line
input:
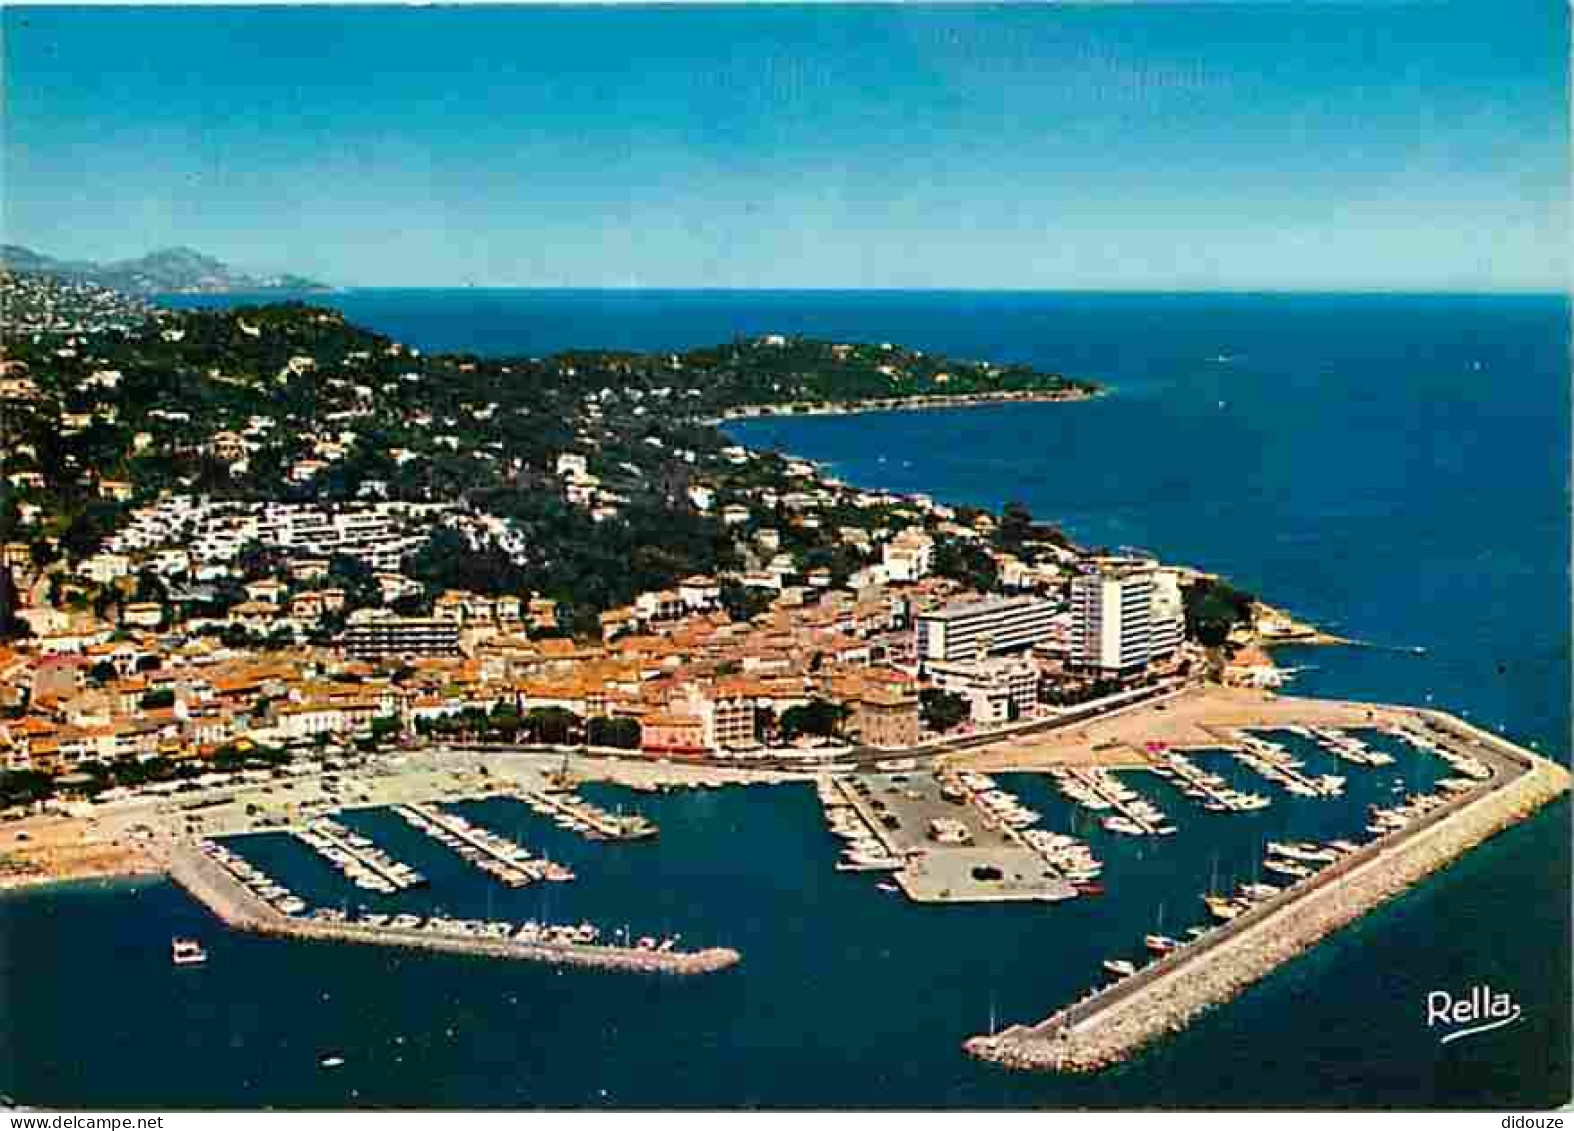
(1285, 868)
(187, 952)
(1123, 825)
(1119, 967)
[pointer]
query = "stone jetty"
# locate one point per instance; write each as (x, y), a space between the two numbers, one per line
(238, 909)
(1109, 1026)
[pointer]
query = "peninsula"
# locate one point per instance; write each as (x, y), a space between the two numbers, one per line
(260, 567)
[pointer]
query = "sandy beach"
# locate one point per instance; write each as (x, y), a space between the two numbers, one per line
(1194, 718)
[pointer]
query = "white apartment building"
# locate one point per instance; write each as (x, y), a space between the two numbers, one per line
(909, 556)
(1125, 615)
(983, 628)
(991, 687)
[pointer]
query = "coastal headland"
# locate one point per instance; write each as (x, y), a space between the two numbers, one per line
(725, 579)
(916, 403)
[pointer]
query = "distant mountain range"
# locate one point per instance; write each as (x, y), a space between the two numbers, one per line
(175, 270)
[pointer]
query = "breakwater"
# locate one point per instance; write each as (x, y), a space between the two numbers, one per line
(1109, 1026)
(238, 909)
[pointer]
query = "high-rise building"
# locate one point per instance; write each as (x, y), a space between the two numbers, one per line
(1124, 616)
(1169, 613)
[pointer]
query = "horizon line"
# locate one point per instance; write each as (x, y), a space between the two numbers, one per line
(1395, 291)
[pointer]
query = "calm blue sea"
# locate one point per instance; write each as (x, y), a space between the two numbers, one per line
(1394, 467)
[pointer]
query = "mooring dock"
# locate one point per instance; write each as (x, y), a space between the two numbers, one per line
(357, 857)
(577, 814)
(507, 862)
(1275, 764)
(1110, 1025)
(1136, 814)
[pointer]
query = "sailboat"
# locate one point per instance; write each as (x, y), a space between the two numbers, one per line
(1222, 908)
(1160, 943)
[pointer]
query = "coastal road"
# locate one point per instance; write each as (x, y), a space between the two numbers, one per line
(865, 759)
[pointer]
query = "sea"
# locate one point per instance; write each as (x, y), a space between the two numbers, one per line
(1393, 467)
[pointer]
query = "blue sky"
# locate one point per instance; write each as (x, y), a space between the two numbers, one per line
(1269, 146)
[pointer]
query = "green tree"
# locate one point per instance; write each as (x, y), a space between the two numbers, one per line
(819, 717)
(552, 725)
(11, 625)
(942, 710)
(1213, 608)
(966, 562)
(620, 732)
(1016, 527)
(24, 787)
(505, 722)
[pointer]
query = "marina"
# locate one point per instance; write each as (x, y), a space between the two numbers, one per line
(952, 837)
(459, 917)
(361, 861)
(852, 817)
(231, 889)
(1099, 789)
(1211, 790)
(1344, 746)
(572, 812)
(1273, 762)
(1336, 884)
(1068, 856)
(510, 864)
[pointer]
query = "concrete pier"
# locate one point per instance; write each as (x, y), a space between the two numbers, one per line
(240, 910)
(376, 862)
(1269, 761)
(604, 824)
(497, 856)
(1094, 781)
(997, 865)
(1111, 1025)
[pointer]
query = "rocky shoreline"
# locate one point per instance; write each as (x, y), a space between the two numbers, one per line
(899, 404)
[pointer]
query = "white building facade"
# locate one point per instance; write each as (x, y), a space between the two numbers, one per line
(978, 629)
(1124, 617)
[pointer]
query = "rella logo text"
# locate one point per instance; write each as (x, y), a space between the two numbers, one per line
(1478, 1010)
